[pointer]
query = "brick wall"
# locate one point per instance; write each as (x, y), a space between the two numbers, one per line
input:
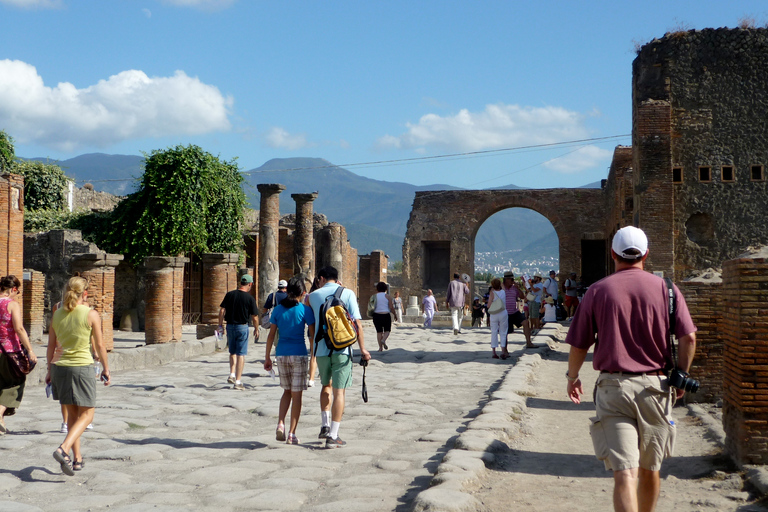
(33, 304)
(372, 269)
(285, 254)
(99, 270)
(745, 334)
(11, 225)
(164, 298)
(705, 302)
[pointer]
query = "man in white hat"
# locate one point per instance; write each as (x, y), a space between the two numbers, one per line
(633, 430)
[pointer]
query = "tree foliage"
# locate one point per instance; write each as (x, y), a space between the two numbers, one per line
(7, 152)
(45, 185)
(187, 200)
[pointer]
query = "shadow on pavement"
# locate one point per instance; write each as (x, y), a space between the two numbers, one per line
(559, 405)
(182, 443)
(25, 475)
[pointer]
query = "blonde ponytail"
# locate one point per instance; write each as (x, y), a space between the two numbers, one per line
(73, 291)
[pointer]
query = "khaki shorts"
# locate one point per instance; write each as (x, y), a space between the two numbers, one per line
(633, 427)
(293, 372)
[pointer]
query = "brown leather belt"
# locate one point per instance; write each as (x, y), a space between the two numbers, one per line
(659, 373)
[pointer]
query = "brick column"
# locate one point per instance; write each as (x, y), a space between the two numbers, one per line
(99, 270)
(12, 225)
(33, 304)
(745, 333)
(220, 275)
(303, 236)
(372, 270)
(164, 297)
(269, 223)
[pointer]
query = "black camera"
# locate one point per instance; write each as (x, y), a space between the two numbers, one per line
(680, 380)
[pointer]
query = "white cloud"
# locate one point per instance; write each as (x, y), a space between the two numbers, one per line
(35, 4)
(498, 126)
(129, 105)
(279, 138)
(583, 158)
(147, 12)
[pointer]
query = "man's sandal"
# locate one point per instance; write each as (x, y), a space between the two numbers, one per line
(78, 465)
(63, 458)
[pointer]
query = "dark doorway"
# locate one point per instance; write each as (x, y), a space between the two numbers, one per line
(192, 306)
(592, 261)
(437, 265)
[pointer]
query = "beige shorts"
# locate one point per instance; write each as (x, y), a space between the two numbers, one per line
(633, 427)
(293, 372)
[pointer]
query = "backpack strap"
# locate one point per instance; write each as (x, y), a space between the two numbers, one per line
(672, 310)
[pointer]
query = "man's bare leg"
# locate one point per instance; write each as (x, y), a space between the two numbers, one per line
(649, 485)
(337, 409)
(239, 364)
(625, 490)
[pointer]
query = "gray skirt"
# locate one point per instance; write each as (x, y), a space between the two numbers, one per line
(74, 385)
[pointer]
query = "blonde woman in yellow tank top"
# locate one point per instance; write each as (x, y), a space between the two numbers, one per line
(71, 376)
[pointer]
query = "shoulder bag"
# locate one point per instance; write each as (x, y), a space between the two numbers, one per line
(497, 306)
(19, 363)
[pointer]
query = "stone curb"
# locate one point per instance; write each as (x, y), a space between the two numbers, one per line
(476, 446)
(146, 356)
(757, 476)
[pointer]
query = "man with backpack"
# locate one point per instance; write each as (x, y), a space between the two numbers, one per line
(335, 365)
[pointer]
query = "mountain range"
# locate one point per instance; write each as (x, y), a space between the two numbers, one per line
(374, 212)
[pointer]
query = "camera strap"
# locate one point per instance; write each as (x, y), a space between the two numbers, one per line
(672, 308)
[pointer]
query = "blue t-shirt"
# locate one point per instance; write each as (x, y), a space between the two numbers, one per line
(316, 299)
(290, 322)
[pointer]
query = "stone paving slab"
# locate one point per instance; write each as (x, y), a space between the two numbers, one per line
(175, 437)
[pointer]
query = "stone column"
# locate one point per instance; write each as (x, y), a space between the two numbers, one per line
(303, 236)
(220, 275)
(269, 223)
(99, 269)
(164, 298)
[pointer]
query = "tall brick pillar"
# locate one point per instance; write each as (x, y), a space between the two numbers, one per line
(303, 236)
(99, 270)
(745, 380)
(220, 275)
(12, 225)
(372, 270)
(269, 223)
(164, 298)
(33, 304)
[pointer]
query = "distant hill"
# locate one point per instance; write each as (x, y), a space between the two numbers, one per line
(374, 212)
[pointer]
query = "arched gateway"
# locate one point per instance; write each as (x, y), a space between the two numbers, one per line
(440, 239)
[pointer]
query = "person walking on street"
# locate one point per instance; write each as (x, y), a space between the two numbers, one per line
(515, 317)
(237, 306)
(571, 295)
(12, 338)
(335, 367)
(383, 308)
(72, 380)
(430, 307)
(398, 302)
(291, 317)
(455, 301)
(633, 429)
(498, 319)
(550, 286)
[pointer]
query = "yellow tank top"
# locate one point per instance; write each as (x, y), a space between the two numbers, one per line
(74, 335)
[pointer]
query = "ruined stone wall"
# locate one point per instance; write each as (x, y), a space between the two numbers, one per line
(704, 298)
(88, 199)
(618, 190)
(713, 88)
(372, 270)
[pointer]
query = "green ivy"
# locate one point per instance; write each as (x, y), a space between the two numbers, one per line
(36, 221)
(187, 201)
(7, 152)
(45, 185)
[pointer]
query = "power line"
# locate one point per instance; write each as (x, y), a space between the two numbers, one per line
(404, 161)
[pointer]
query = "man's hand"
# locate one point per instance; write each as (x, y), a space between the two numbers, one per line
(575, 390)
(679, 393)
(268, 363)
(365, 355)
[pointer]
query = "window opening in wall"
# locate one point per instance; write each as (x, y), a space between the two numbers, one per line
(756, 173)
(727, 174)
(705, 174)
(677, 175)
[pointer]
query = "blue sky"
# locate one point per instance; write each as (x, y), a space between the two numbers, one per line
(352, 82)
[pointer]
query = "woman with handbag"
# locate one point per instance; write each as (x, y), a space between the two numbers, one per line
(15, 345)
(498, 311)
(72, 379)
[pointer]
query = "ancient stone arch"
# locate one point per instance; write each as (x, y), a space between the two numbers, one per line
(440, 239)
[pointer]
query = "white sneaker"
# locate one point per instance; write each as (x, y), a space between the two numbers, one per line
(89, 427)
(64, 428)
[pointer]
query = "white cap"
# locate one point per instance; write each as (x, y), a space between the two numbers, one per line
(627, 238)
(282, 284)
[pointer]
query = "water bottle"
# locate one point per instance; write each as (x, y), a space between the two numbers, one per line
(97, 369)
